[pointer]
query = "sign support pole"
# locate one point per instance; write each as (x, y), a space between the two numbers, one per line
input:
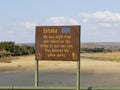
(78, 75)
(36, 73)
(78, 65)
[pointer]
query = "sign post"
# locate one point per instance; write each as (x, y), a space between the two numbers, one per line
(78, 75)
(58, 43)
(36, 73)
(78, 68)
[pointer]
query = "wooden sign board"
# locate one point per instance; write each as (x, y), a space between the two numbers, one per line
(57, 43)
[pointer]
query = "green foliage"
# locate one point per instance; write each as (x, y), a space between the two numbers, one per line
(91, 50)
(108, 50)
(10, 49)
(5, 53)
(26, 50)
(8, 46)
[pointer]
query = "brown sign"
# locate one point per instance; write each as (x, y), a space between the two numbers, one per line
(57, 43)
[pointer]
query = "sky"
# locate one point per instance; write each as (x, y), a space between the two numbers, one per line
(99, 19)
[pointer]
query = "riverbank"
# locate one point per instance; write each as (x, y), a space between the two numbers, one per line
(94, 73)
(28, 63)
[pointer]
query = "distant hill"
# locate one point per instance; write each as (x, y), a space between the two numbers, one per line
(106, 45)
(30, 44)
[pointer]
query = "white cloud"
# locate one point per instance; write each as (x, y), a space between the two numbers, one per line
(105, 19)
(28, 25)
(106, 16)
(62, 21)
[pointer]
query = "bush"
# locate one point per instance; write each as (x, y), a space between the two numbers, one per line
(5, 53)
(89, 50)
(9, 48)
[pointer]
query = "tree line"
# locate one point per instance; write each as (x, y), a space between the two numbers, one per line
(11, 49)
(92, 50)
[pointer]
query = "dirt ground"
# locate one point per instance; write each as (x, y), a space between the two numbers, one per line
(94, 73)
(87, 66)
(28, 63)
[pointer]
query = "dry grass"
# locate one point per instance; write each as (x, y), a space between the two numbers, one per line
(88, 66)
(18, 63)
(28, 63)
(7, 59)
(114, 56)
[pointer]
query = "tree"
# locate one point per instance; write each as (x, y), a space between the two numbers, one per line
(90, 50)
(5, 53)
(7, 48)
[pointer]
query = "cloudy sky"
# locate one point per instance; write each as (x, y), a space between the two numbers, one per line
(99, 19)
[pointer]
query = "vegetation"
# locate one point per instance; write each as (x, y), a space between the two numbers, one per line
(8, 49)
(89, 50)
(94, 50)
(11, 49)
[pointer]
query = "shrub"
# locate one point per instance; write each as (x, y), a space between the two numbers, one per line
(89, 50)
(9, 48)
